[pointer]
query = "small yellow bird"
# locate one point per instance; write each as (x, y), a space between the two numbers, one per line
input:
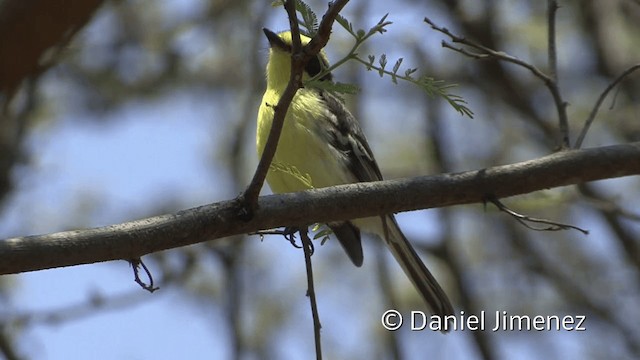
(322, 145)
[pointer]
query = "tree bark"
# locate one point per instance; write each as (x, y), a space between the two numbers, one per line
(134, 239)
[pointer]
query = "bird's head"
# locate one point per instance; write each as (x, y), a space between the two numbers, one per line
(279, 66)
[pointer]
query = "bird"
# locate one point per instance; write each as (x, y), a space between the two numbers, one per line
(322, 145)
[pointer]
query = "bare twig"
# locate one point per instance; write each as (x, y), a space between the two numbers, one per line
(596, 107)
(552, 8)
(288, 233)
(561, 105)
(488, 53)
(136, 264)
(525, 220)
(307, 247)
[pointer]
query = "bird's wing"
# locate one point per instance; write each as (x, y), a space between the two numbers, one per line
(346, 136)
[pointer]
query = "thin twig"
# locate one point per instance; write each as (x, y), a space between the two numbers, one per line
(307, 247)
(552, 8)
(563, 121)
(136, 264)
(287, 233)
(525, 220)
(596, 107)
(488, 53)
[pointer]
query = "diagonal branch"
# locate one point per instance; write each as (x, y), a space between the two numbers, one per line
(299, 57)
(484, 52)
(596, 107)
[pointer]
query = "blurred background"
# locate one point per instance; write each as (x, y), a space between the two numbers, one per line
(148, 106)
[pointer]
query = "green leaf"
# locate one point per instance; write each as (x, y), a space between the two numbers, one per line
(380, 27)
(309, 18)
(409, 72)
(383, 21)
(305, 179)
(322, 232)
(431, 86)
(345, 23)
(397, 65)
(383, 62)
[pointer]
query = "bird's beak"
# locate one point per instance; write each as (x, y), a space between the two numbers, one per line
(271, 36)
(275, 40)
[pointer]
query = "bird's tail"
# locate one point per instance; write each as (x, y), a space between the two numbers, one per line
(415, 269)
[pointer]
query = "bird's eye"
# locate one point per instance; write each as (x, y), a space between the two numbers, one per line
(315, 66)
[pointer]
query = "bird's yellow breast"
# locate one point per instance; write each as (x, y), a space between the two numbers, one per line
(304, 159)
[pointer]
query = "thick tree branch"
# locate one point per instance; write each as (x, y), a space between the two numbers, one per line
(137, 238)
